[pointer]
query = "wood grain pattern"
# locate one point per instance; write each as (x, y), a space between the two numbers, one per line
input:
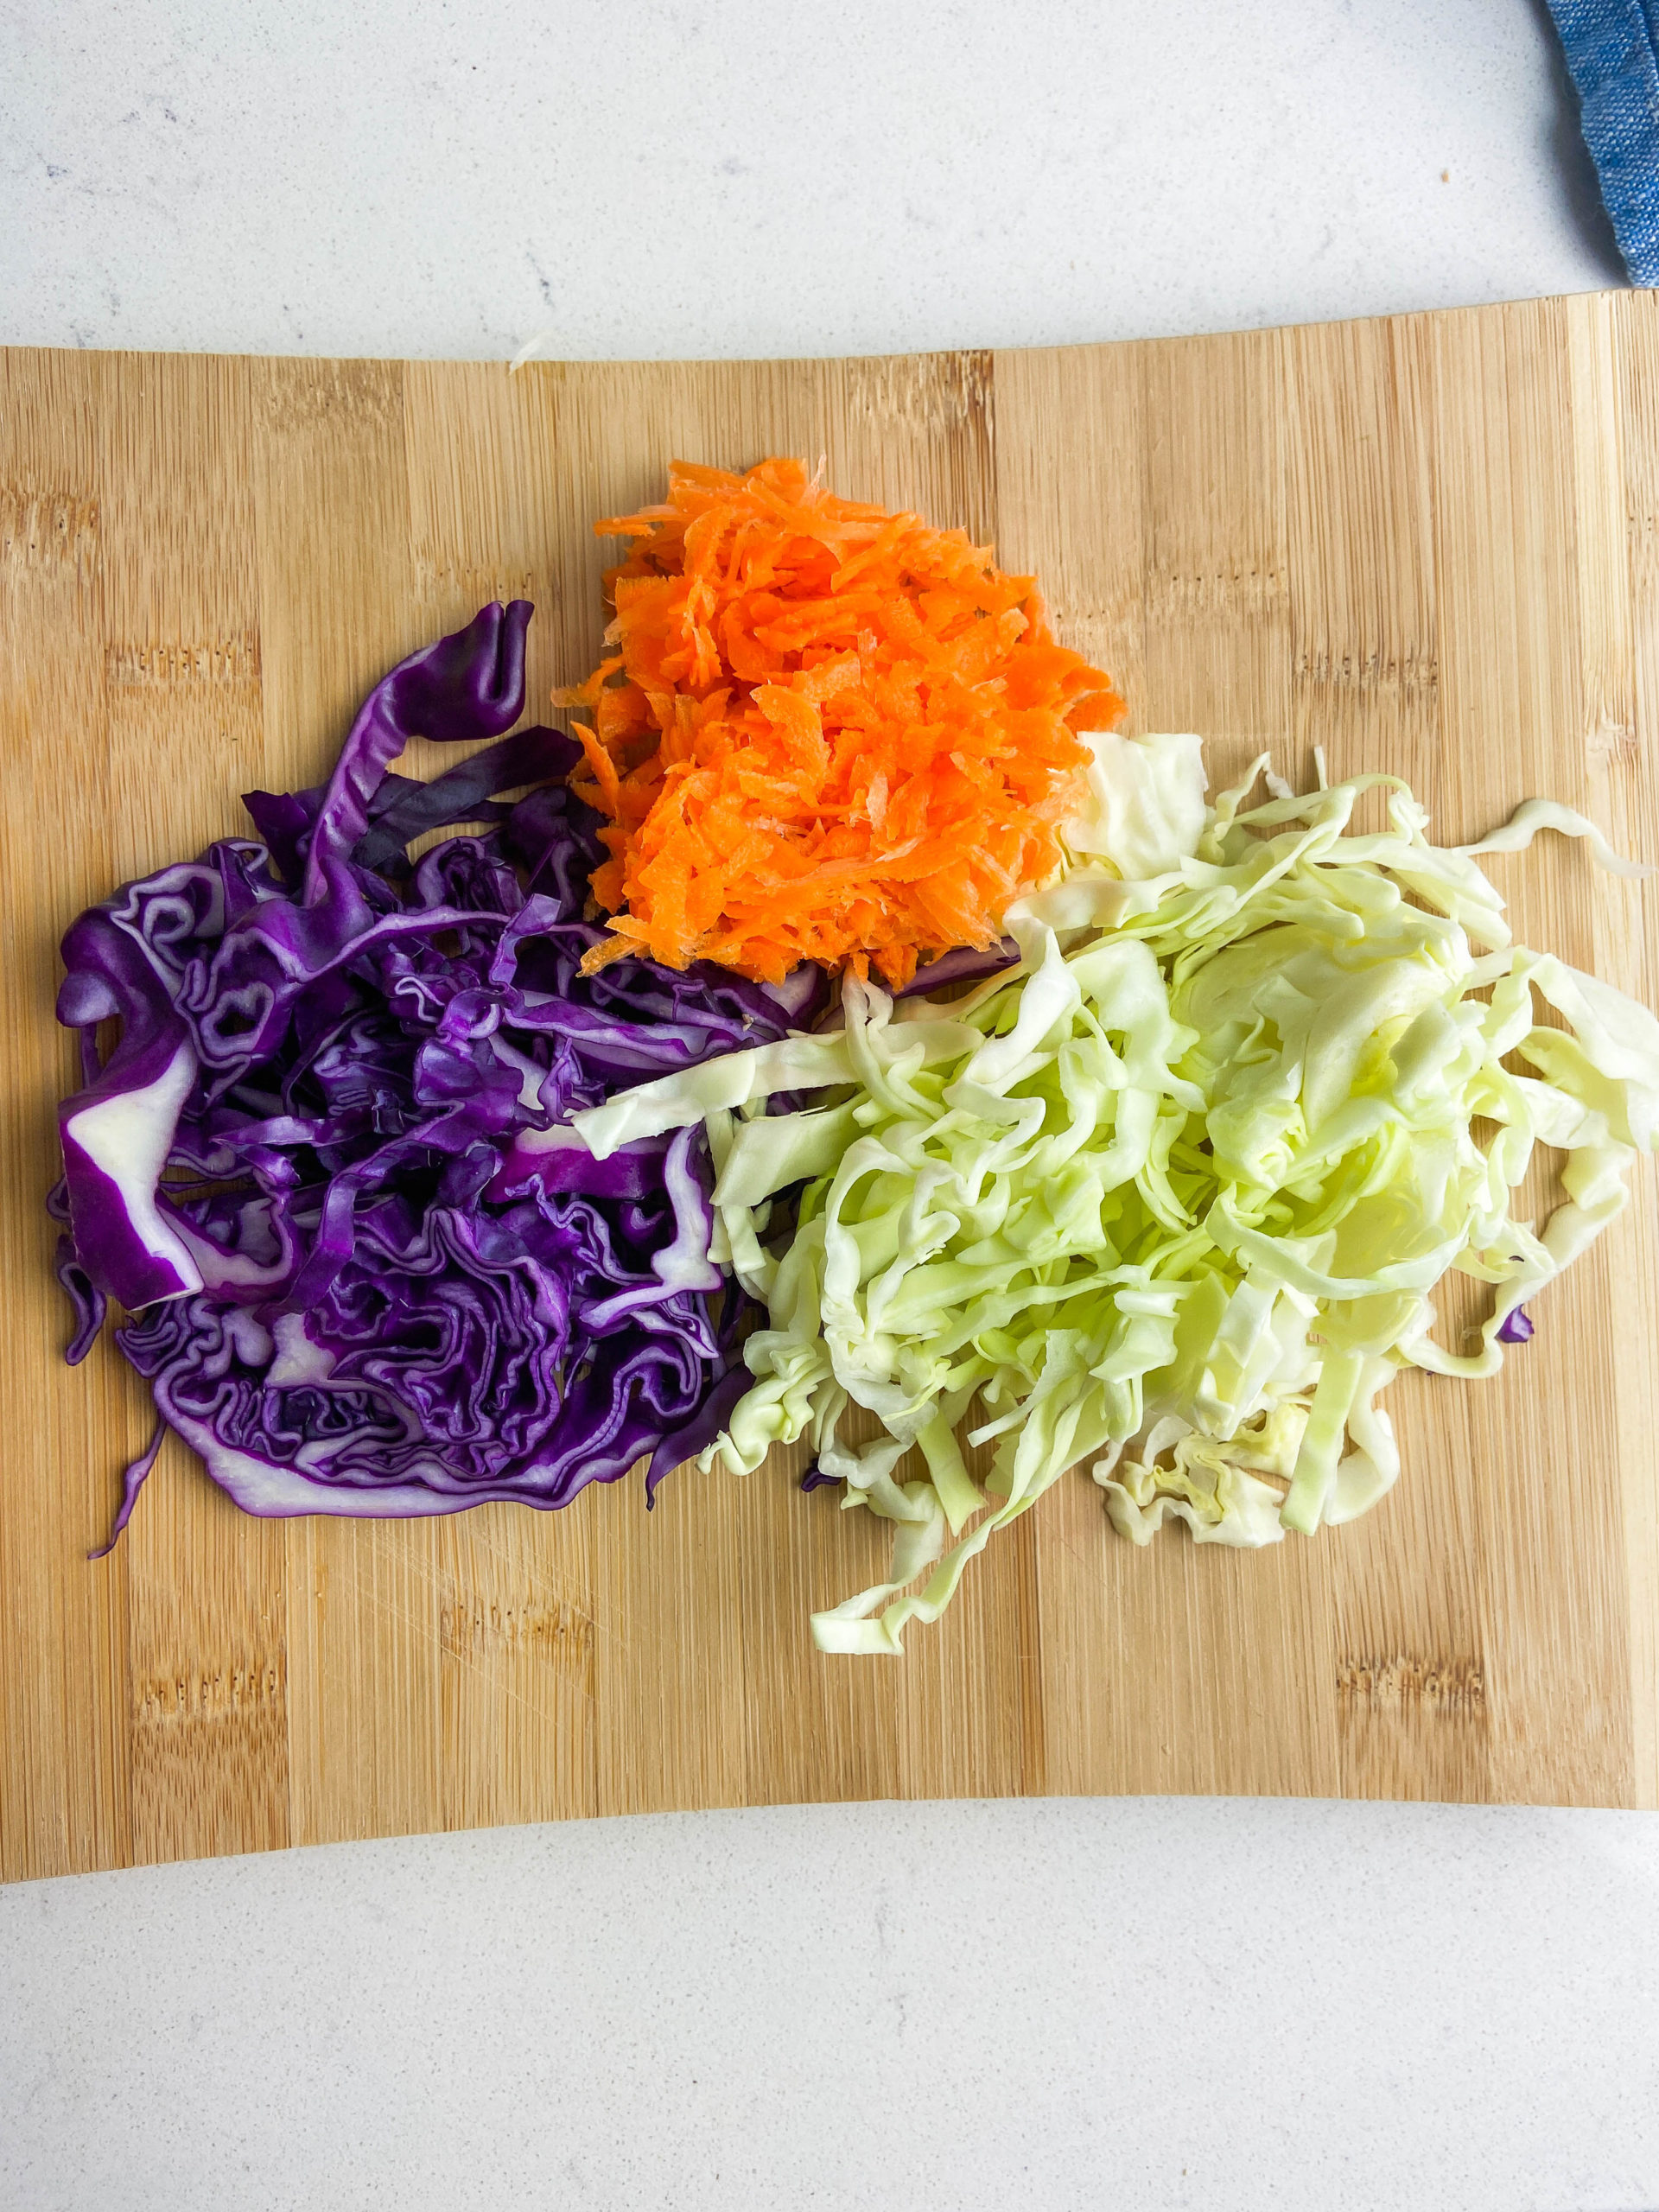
(1430, 543)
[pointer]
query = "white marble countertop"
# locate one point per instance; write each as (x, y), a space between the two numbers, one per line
(1147, 2004)
(734, 177)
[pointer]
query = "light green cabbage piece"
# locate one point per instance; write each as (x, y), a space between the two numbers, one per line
(1143, 809)
(1172, 1197)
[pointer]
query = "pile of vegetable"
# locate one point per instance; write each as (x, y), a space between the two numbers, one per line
(328, 1164)
(1172, 1197)
(826, 732)
(423, 1182)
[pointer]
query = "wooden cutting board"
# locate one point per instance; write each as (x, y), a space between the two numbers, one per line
(1430, 543)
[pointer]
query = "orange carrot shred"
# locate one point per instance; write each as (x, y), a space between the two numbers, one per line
(821, 732)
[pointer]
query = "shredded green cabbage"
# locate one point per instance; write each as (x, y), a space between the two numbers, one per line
(1173, 1197)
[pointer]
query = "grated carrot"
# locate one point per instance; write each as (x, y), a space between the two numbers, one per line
(825, 732)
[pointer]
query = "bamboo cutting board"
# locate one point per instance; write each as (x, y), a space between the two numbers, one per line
(1431, 543)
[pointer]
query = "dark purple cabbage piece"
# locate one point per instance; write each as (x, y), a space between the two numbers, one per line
(324, 1167)
(966, 964)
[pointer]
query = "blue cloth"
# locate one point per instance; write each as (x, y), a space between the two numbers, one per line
(1614, 55)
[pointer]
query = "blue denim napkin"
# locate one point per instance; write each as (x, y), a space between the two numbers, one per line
(1614, 55)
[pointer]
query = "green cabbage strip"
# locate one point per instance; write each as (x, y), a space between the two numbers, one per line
(1173, 1197)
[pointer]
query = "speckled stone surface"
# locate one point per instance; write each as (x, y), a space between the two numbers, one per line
(1162, 2003)
(693, 179)
(1146, 2002)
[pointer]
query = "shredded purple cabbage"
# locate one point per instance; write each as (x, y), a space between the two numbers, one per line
(369, 1270)
(1515, 1328)
(966, 964)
